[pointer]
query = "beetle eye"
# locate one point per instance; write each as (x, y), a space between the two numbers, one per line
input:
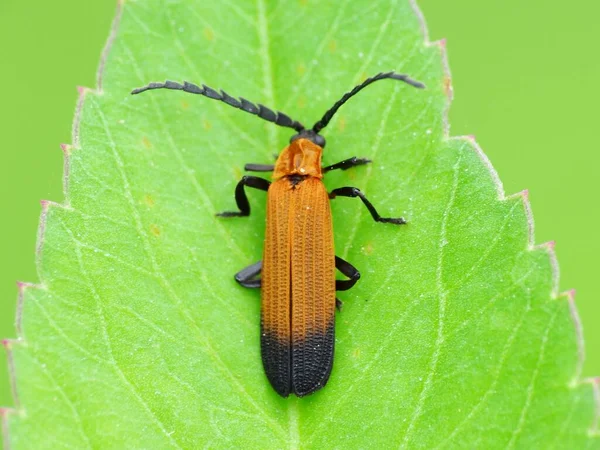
(319, 140)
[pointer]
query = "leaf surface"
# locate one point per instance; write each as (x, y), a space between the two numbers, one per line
(137, 335)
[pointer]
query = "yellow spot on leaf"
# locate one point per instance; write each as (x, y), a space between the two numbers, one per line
(206, 124)
(300, 69)
(185, 104)
(368, 249)
(356, 353)
(146, 142)
(148, 200)
(155, 230)
(342, 123)
(332, 46)
(301, 101)
(209, 34)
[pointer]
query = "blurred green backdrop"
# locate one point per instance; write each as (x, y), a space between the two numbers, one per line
(525, 80)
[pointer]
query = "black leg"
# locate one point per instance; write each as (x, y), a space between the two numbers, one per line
(355, 192)
(245, 276)
(346, 164)
(350, 271)
(240, 195)
(259, 167)
(338, 304)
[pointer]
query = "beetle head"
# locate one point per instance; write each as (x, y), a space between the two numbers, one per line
(311, 135)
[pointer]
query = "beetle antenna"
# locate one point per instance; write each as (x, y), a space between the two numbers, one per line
(259, 110)
(380, 76)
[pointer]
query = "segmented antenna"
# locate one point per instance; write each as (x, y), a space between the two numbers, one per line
(259, 110)
(380, 76)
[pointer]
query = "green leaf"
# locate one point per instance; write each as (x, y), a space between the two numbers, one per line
(137, 335)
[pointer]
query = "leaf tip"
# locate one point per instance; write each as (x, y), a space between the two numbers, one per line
(9, 344)
(47, 204)
(471, 138)
(474, 146)
(4, 413)
(82, 90)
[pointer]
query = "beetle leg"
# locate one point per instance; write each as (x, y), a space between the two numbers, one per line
(349, 270)
(346, 164)
(355, 192)
(259, 167)
(338, 304)
(245, 276)
(240, 195)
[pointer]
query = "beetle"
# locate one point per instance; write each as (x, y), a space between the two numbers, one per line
(297, 271)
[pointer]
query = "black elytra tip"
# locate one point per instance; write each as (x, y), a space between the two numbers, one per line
(298, 366)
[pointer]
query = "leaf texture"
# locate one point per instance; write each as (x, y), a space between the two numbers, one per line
(137, 335)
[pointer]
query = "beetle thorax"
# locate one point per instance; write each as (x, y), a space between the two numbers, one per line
(301, 157)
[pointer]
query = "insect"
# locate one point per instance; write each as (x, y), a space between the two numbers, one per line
(297, 271)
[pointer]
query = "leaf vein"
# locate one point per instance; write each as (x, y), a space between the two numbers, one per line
(119, 372)
(74, 412)
(318, 53)
(442, 295)
(486, 253)
(70, 341)
(492, 387)
(531, 385)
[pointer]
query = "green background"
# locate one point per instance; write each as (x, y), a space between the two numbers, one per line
(525, 76)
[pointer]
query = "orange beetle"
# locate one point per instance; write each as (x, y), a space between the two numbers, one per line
(298, 266)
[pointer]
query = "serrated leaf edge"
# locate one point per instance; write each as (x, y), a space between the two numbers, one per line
(548, 247)
(67, 149)
(8, 344)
